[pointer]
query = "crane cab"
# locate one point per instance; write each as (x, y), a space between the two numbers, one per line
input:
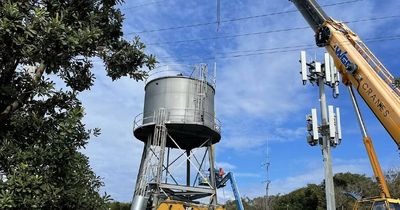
(377, 204)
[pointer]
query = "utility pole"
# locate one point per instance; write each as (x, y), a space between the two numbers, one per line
(326, 149)
(267, 195)
(267, 180)
(328, 134)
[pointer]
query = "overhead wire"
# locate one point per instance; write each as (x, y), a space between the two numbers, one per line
(234, 19)
(228, 36)
(263, 32)
(142, 5)
(260, 51)
(273, 50)
(373, 19)
(244, 51)
(289, 11)
(281, 49)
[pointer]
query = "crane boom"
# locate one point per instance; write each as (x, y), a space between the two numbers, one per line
(358, 66)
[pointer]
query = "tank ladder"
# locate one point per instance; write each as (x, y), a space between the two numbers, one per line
(151, 167)
(201, 88)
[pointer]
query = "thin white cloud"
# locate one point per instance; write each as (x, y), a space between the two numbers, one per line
(225, 165)
(247, 142)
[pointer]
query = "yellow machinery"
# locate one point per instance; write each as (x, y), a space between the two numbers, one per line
(363, 71)
(178, 205)
(377, 204)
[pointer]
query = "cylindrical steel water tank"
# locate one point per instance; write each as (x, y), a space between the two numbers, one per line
(189, 106)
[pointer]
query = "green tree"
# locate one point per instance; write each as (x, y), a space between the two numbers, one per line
(310, 197)
(248, 204)
(393, 180)
(313, 196)
(41, 130)
(353, 183)
(119, 206)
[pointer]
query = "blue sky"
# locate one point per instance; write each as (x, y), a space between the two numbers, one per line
(259, 98)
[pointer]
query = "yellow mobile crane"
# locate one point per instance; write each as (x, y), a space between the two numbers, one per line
(363, 71)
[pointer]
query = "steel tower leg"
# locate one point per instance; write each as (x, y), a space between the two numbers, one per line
(213, 199)
(139, 200)
(152, 164)
(188, 168)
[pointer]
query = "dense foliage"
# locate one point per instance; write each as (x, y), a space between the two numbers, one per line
(119, 206)
(41, 129)
(312, 196)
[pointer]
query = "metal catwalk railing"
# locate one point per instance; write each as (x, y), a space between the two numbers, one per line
(185, 116)
(377, 66)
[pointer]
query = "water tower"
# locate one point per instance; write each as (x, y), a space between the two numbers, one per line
(178, 128)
